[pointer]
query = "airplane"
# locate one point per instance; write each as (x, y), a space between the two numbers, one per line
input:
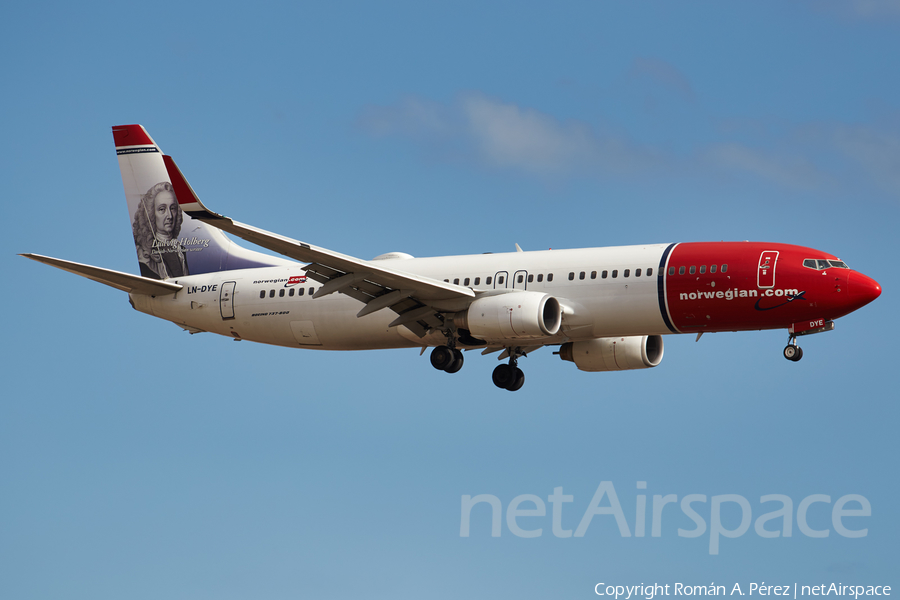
(607, 309)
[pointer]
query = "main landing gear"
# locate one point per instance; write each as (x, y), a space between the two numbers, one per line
(445, 358)
(792, 351)
(509, 377)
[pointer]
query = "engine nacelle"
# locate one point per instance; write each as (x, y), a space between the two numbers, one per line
(614, 354)
(513, 316)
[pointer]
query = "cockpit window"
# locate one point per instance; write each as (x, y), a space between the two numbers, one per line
(820, 264)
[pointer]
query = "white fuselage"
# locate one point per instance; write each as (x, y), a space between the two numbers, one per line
(265, 309)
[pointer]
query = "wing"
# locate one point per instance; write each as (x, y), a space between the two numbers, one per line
(121, 281)
(418, 301)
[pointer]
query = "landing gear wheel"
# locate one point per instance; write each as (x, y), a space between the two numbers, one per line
(442, 357)
(518, 381)
(457, 363)
(792, 352)
(502, 376)
(508, 377)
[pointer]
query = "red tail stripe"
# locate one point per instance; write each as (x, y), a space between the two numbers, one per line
(183, 192)
(131, 135)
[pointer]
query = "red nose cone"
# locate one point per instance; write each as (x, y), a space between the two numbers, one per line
(862, 289)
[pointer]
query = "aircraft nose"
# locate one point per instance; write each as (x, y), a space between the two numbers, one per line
(862, 289)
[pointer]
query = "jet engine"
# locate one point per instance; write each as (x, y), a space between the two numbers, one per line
(512, 316)
(614, 353)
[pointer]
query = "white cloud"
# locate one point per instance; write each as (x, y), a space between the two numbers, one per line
(859, 9)
(663, 73)
(789, 171)
(509, 136)
(504, 135)
(876, 8)
(875, 151)
(413, 117)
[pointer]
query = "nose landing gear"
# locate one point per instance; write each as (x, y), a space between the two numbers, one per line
(792, 351)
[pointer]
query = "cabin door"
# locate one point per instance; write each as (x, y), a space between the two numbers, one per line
(766, 276)
(226, 305)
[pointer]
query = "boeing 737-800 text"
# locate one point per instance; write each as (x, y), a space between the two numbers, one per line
(606, 308)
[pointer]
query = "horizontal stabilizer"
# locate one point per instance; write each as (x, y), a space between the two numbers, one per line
(121, 281)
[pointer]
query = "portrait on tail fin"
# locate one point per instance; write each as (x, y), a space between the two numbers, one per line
(156, 227)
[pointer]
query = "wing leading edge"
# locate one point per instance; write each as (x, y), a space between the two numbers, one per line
(417, 300)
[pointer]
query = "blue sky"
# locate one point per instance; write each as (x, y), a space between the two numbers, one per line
(138, 461)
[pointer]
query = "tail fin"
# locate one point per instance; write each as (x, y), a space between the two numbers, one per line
(168, 242)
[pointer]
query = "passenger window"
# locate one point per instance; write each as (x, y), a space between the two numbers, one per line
(262, 293)
(712, 268)
(593, 274)
(671, 270)
(681, 270)
(693, 269)
(456, 281)
(477, 280)
(549, 277)
(702, 269)
(581, 275)
(637, 272)
(446, 281)
(312, 291)
(724, 268)
(487, 281)
(615, 273)
(466, 281)
(520, 278)
(530, 278)
(500, 280)
(626, 273)
(604, 274)
(571, 276)
(281, 293)
(650, 272)
(540, 277)
(291, 293)
(300, 291)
